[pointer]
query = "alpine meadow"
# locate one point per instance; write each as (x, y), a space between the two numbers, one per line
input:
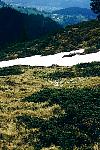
(49, 75)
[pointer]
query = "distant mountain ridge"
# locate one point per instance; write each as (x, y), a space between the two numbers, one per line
(50, 4)
(75, 11)
(67, 16)
(72, 15)
(65, 13)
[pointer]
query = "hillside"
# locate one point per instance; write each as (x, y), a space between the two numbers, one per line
(27, 10)
(72, 15)
(54, 108)
(16, 26)
(84, 35)
(67, 16)
(75, 11)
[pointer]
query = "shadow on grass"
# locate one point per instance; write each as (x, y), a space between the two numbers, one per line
(79, 125)
(15, 70)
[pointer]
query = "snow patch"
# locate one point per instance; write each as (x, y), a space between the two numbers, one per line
(56, 59)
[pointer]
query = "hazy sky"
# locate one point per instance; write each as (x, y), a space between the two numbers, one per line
(53, 3)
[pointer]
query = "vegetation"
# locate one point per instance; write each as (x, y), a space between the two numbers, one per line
(84, 35)
(89, 50)
(80, 70)
(54, 108)
(11, 71)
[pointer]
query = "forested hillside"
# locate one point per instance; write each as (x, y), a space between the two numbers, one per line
(18, 27)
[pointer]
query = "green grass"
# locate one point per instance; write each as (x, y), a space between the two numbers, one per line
(48, 109)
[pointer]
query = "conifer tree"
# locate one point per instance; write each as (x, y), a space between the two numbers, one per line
(95, 6)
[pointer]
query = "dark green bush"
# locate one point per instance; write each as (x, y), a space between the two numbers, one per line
(61, 74)
(88, 69)
(89, 50)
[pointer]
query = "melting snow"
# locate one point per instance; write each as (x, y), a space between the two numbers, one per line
(60, 59)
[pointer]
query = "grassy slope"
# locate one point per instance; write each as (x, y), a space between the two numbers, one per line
(56, 108)
(85, 35)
